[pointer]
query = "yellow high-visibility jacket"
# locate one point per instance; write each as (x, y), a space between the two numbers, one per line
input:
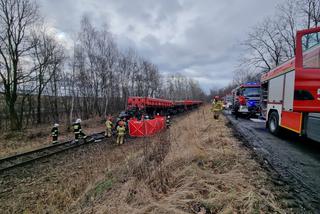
(217, 106)
(109, 124)
(121, 130)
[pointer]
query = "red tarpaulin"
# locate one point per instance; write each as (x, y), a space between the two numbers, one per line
(141, 128)
(136, 128)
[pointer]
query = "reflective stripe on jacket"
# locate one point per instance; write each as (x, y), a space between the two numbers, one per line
(54, 132)
(77, 128)
(121, 130)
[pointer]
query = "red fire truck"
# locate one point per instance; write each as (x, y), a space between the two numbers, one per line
(246, 98)
(292, 90)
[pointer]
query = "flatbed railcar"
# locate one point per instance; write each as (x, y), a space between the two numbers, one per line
(137, 106)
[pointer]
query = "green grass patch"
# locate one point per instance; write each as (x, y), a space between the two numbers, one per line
(103, 186)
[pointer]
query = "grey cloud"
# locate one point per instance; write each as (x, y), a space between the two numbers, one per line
(197, 38)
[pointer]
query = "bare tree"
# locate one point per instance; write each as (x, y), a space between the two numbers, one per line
(16, 18)
(287, 20)
(272, 42)
(47, 56)
(266, 45)
(98, 80)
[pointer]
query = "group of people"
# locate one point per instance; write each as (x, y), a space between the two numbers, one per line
(120, 128)
(77, 130)
(79, 134)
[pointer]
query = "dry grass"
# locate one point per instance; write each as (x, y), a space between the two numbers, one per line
(56, 184)
(30, 139)
(196, 167)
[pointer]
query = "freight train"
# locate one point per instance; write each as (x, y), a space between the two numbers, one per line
(138, 106)
(147, 115)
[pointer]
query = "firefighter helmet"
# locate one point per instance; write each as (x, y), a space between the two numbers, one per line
(216, 97)
(56, 125)
(78, 120)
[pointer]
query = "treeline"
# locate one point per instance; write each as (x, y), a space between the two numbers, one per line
(272, 42)
(41, 81)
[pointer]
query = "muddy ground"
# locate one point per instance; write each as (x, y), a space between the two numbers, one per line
(198, 166)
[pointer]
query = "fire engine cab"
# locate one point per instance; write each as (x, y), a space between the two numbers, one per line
(246, 98)
(291, 91)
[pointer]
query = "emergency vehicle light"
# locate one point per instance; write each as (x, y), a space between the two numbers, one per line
(252, 83)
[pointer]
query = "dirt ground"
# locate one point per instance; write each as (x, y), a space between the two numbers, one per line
(17, 142)
(198, 166)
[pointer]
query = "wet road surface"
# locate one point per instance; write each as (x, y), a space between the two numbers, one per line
(295, 159)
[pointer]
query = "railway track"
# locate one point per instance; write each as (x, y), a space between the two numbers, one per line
(31, 156)
(25, 158)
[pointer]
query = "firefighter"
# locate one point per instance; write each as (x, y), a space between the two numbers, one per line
(125, 121)
(217, 107)
(109, 126)
(55, 133)
(236, 110)
(121, 131)
(168, 122)
(78, 134)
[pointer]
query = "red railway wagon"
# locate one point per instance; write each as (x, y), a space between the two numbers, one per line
(139, 126)
(187, 102)
(191, 102)
(293, 89)
(143, 102)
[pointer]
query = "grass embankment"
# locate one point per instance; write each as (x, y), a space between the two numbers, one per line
(198, 166)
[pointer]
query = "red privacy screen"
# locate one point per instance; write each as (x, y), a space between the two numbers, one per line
(142, 128)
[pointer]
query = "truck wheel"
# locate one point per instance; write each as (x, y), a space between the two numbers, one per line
(273, 123)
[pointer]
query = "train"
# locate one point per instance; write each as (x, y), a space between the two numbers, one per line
(147, 116)
(138, 106)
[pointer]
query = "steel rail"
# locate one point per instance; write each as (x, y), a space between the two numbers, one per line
(37, 154)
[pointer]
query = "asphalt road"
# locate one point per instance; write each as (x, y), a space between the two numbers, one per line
(295, 159)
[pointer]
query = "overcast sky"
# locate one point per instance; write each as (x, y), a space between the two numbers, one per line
(197, 38)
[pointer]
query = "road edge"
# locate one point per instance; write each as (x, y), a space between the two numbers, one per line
(295, 202)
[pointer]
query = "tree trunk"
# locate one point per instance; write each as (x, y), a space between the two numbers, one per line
(11, 99)
(14, 124)
(39, 108)
(71, 111)
(56, 112)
